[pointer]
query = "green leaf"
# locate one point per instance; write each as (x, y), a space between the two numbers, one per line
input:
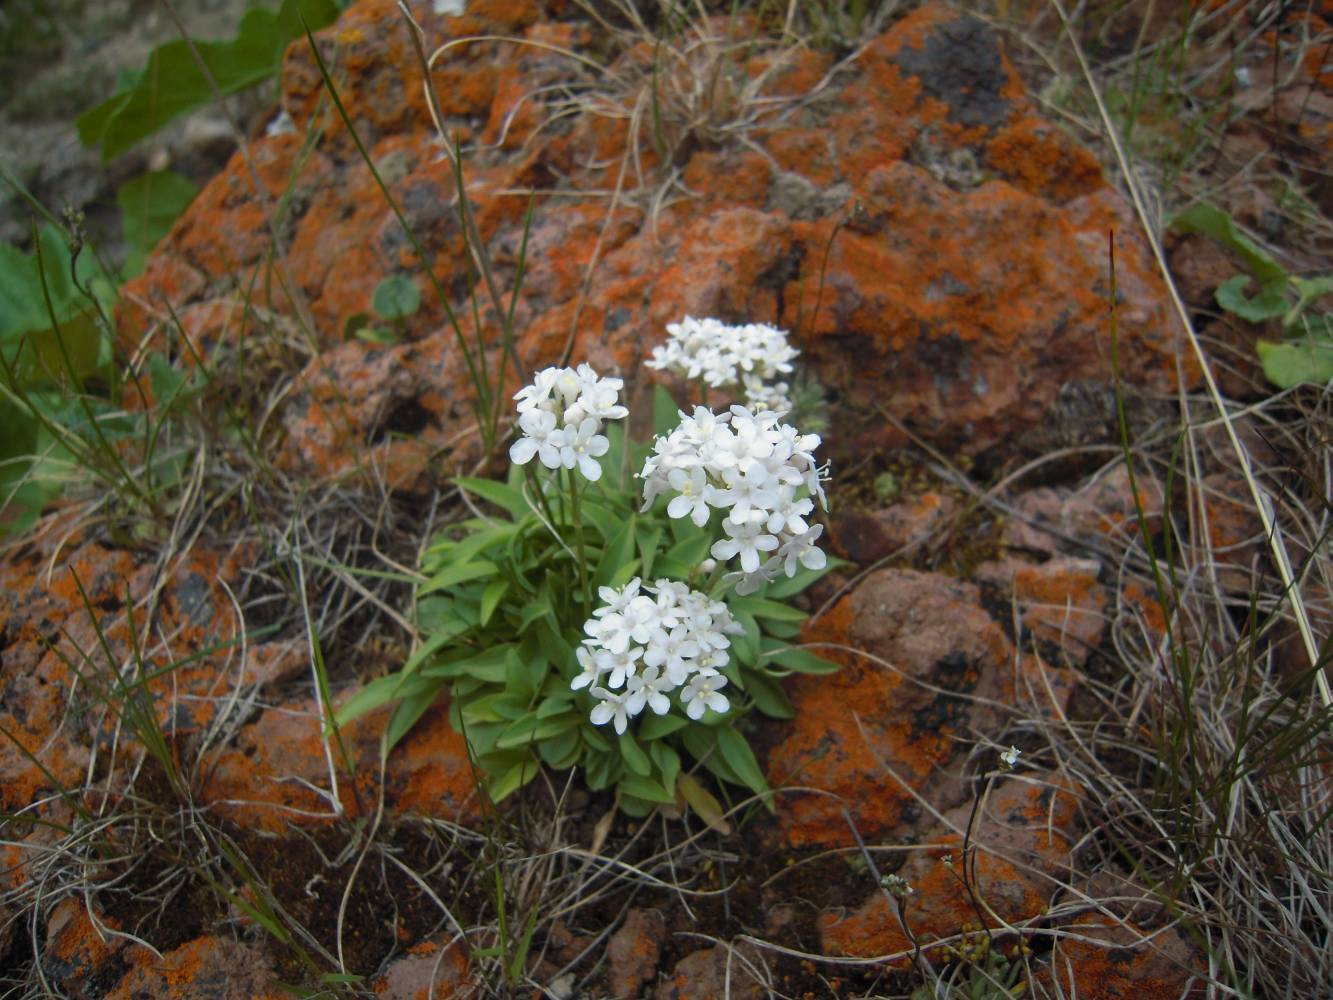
(411, 708)
(491, 598)
(789, 586)
(634, 756)
(507, 497)
(649, 538)
(1212, 221)
(458, 573)
(760, 607)
(1302, 359)
(654, 727)
(736, 752)
(380, 691)
(171, 83)
(666, 414)
(1271, 300)
(801, 661)
(395, 298)
(513, 779)
(645, 788)
(619, 552)
(701, 742)
(561, 750)
(768, 696)
(149, 205)
(667, 761)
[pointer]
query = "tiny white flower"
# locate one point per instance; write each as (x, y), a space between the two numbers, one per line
(746, 540)
(702, 694)
(617, 708)
(652, 685)
(1010, 757)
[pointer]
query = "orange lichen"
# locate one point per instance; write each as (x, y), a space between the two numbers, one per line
(1039, 159)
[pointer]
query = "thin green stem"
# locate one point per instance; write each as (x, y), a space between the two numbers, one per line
(585, 590)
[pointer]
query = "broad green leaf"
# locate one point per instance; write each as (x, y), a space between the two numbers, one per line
(789, 586)
(171, 83)
(760, 607)
(380, 691)
(458, 573)
(654, 727)
(1212, 221)
(602, 769)
(633, 806)
(738, 755)
(649, 538)
(645, 788)
(802, 661)
(395, 298)
(701, 742)
(513, 779)
(149, 205)
(507, 497)
(666, 414)
(619, 552)
(633, 755)
(411, 708)
(667, 761)
(491, 598)
(1271, 300)
(1298, 360)
(561, 750)
(768, 696)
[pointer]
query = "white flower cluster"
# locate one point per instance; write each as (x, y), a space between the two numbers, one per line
(642, 646)
(748, 356)
(560, 416)
(762, 472)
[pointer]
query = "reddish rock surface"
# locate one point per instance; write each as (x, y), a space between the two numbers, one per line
(968, 285)
(1058, 601)
(869, 536)
(633, 951)
(1101, 959)
(938, 670)
(1018, 853)
(431, 970)
(715, 974)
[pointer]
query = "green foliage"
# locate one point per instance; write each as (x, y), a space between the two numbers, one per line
(396, 298)
(171, 83)
(149, 206)
(501, 613)
(1305, 354)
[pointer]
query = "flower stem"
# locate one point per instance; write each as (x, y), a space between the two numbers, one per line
(578, 541)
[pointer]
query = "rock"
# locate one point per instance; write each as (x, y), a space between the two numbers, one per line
(431, 969)
(80, 956)
(208, 968)
(867, 537)
(1021, 838)
(869, 739)
(1059, 601)
(966, 289)
(633, 952)
(1102, 959)
(720, 973)
(1048, 520)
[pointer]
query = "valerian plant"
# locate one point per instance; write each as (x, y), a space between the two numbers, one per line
(594, 621)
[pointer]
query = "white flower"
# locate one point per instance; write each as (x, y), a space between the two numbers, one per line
(652, 685)
(1010, 757)
(592, 670)
(801, 548)
(560, 419)
(694, 494)
(746, 540)
(702, 693)
(582, 447)
(618, 707)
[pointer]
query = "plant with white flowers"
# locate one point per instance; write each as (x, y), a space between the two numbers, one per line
(588, 625)
(762, 472)
(748, 357)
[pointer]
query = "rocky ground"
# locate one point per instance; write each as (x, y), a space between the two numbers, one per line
(937, 244)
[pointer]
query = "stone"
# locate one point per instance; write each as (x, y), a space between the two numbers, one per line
(720, 973)
(207, 968)
(1019, 849)
(1104, 959)
(633, 952)
(431, 970)
(866, 537)
(871, 739)
(1058, 601)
